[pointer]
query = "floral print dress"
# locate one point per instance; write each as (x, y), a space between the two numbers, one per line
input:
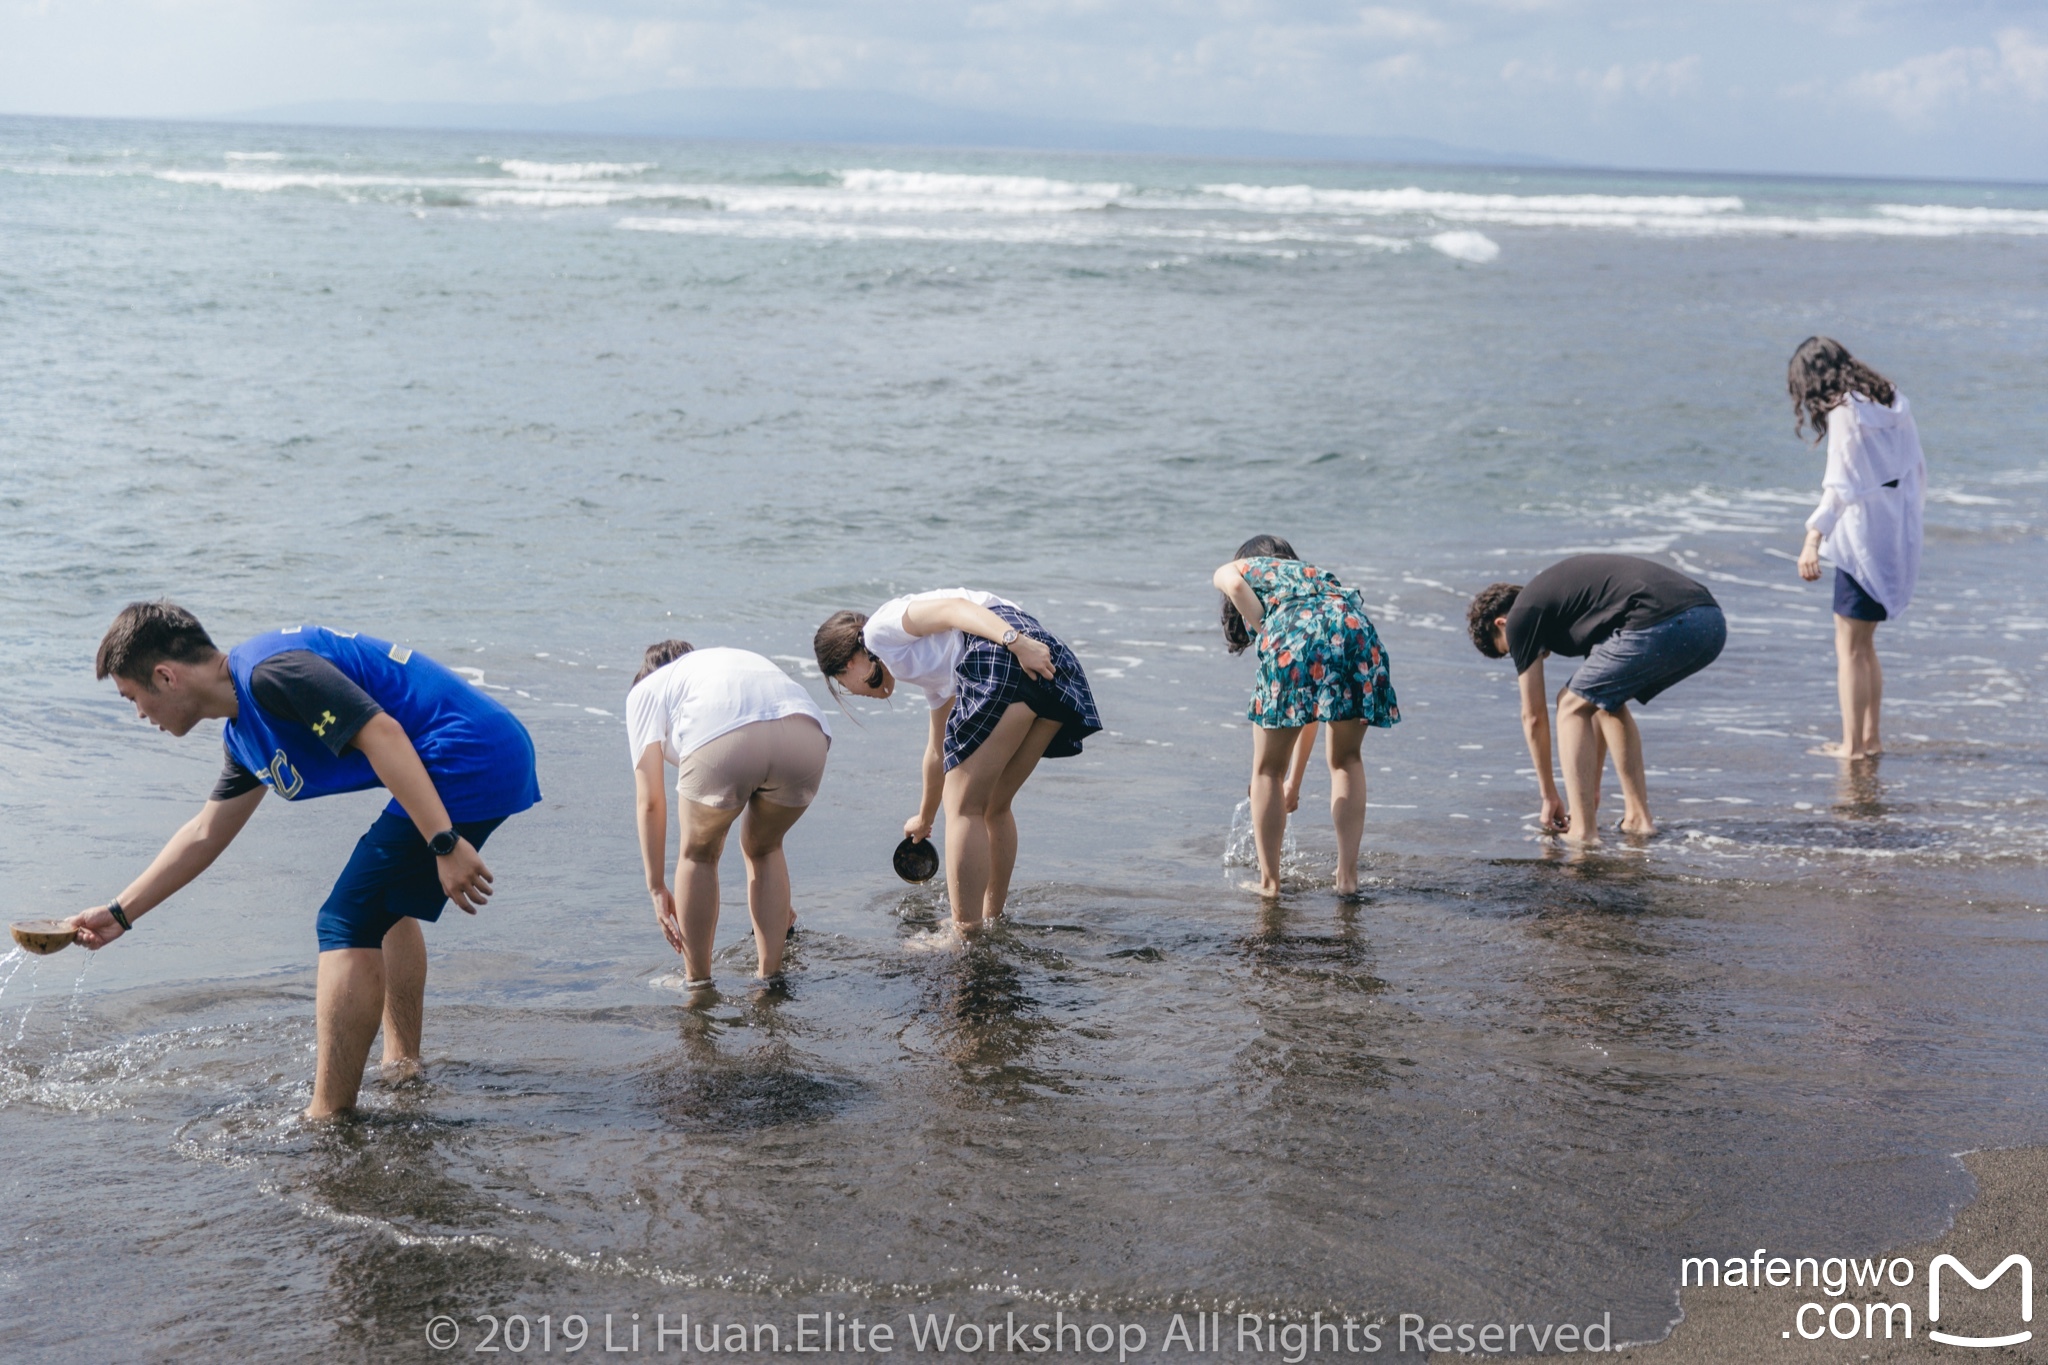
(1319, 656)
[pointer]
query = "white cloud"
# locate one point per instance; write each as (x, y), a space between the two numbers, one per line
(1917, 89)
(1378, 23)
(1656, 79)
(1649, 79)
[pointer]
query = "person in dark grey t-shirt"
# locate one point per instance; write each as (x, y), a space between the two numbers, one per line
(1640, 627)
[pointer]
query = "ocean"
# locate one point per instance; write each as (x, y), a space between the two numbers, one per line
(528, 403)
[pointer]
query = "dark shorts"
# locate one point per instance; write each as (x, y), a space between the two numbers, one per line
(1635, 665)
(391, 876)
(988, 679)
(1851, 601)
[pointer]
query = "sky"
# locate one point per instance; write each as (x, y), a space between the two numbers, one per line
(1947, 88)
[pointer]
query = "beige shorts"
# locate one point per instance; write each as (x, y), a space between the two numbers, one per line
(781, 761)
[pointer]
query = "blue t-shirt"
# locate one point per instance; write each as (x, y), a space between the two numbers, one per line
(477, 753)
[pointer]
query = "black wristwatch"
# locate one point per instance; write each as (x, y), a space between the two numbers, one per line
(444, 843)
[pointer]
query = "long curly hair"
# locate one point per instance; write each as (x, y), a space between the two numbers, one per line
(1821, 376)
(1235, 637)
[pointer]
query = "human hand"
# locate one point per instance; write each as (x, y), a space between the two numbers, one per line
(464, 878)
(917, 828)
(1556, 819)
(95, 928)
(665, 915)
(1292, 792)
(1809, 563)
(1034, 655)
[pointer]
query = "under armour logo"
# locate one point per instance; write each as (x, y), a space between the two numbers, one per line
(320, 725)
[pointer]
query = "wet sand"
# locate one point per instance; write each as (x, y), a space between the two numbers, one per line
(2010, 1214)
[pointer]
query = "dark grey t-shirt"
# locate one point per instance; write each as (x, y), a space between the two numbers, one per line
(1576, 603)
(299, 685)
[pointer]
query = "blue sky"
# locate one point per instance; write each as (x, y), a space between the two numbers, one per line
(1914, 87)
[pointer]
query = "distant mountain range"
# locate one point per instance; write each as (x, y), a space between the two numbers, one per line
(867, 117)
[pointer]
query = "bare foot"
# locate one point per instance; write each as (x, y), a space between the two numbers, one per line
(1643, 828)
(1834, 748)
(1269, 890)
(398, 1070)
(1589, 839)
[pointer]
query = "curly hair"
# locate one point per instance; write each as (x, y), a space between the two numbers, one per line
(1494, 601)
(1235, 637)
(1821, 375)
(658, 654)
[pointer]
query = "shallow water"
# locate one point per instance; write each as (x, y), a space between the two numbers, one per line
(451, 388)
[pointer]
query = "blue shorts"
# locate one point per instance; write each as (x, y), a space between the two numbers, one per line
(1635, 665)
(1851, 601)
(391, 876)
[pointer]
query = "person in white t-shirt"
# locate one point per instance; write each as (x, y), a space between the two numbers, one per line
(1868, 522)
(743, 736)
(1003, 693)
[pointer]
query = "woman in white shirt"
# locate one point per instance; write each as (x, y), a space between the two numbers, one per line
(743, 736)
(1003, 693)
(1868, 522)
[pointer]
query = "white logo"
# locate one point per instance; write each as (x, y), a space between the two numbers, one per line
(287, 782)
(1934, 1298)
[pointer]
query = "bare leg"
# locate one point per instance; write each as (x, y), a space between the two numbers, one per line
(704, 830)
(1579, 753)
(1347, 798)
(348, 1001)
(768, 879)
(1002, 822)
(1859, 683)
(968, 791)
(1623, 740)
(405, 993)
(1272, 750)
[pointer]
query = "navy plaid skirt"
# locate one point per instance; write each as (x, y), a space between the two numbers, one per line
(989, 679)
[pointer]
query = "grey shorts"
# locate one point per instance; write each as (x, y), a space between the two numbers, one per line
(1635, 665)
(781, 761)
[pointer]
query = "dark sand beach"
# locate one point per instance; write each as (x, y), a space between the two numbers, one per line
(2009, 1214)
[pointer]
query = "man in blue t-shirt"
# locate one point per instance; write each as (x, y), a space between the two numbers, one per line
(312, 712)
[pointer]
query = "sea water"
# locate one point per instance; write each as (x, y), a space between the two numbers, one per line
(529, 403)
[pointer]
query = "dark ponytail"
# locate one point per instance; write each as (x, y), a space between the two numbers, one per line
(665, 652)
(836, 642)
(1821, 375)
(1235, 637)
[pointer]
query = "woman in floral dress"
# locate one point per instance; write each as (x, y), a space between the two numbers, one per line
(1320, 662)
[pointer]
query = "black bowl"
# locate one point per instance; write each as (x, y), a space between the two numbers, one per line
(916, 862)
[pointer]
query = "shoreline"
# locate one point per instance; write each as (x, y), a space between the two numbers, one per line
(2009, 1215)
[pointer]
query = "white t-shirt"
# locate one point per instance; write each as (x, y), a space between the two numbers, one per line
(1872, 498)
(926, 660)
(688, 702)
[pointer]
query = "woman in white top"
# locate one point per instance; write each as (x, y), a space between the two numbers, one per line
(743, 736)
(1868, 521)
(1003, 693)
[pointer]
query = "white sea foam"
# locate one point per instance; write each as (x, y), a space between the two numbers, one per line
(1467, 245)
(573, 170)
(1454, 204)
(1978, 219)
(1444, 220)
(1007, 188)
